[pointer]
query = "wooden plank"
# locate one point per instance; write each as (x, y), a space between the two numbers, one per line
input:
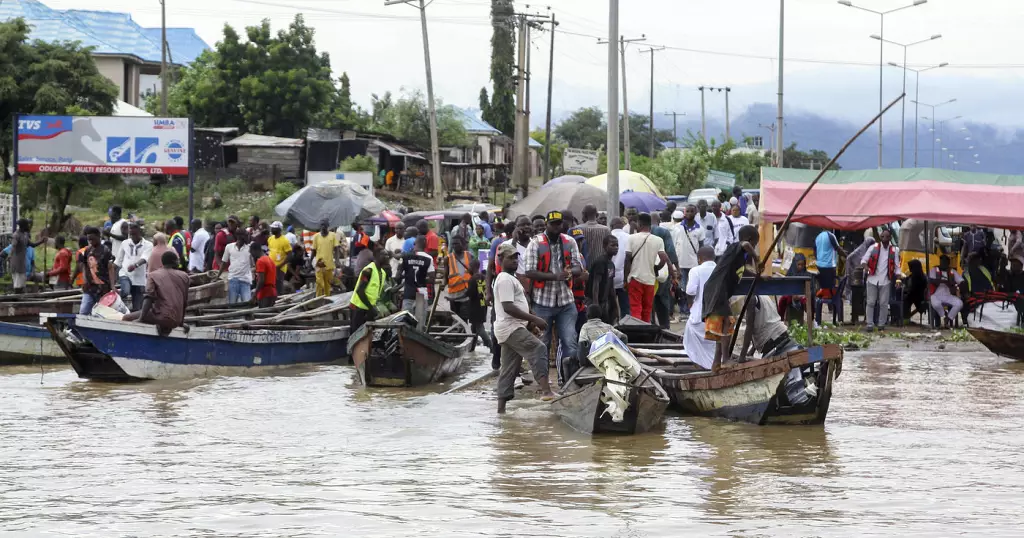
(787, 285)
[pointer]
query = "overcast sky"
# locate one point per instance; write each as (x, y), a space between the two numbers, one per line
(730, 42)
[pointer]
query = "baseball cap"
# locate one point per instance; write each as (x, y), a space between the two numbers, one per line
(554, 216)
(678, 215)
(507, 248)
(576, 232)
(276, 224)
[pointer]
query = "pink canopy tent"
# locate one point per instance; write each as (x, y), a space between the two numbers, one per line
(858, 199)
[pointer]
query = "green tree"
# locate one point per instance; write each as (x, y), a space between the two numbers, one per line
(339, 112)
(584, 129)
(409, 119)
(359, 163)
(557, 149)
(48, 78)
(275, 85)
(501, 110)
(814, 159)
(640, 135)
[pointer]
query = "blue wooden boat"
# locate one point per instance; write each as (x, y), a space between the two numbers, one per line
(121, 351)
(24, 343)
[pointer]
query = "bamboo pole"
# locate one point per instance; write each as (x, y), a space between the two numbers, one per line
(785, 224)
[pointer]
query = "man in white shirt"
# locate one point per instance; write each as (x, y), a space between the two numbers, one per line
(197, 252)
(617, 225)
(688, 237)
(393, 246)
(118, 231)
(645, 256)
(238, 263)
(941, 278)
(729, 228)
(292, 238)
(709, 222)
(882, 262)
(512, 323)
(753, 213)
(131, 261)
(700, 350)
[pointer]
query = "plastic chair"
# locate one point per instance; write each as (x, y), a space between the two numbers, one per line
(836, 304)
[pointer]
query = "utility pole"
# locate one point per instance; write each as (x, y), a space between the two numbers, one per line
(651, 51)
(726, 90)
(522, 120)
(625, 100)
(163, 58)
(703, 122)
(547, 122)
(778, 119)
(777, 158)
(675, 131)
(435, 152)
(613, 111)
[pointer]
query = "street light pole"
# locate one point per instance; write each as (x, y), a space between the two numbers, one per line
(612, 147)
(881, 60)
(917, 95)
(903, 114)
(933, 107)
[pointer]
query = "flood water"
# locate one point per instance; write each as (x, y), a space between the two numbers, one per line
(915, 444)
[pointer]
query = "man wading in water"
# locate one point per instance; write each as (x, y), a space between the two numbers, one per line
(513, 326)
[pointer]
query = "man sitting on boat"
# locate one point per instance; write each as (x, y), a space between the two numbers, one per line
(166, 296)
(942, 280)
(721, 286)
(767, 333)
(100, 272)
(368, 288)
(512, 330)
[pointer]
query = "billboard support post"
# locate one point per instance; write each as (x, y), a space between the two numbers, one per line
(14, 176)
(191, 172)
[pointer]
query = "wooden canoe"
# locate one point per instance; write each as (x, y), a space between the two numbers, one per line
(753, 391)
(580, 404)
(1002, 343)
(393, 352)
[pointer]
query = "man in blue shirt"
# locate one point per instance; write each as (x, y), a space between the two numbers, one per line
(410, 239)
(825, 248)
(485, 221)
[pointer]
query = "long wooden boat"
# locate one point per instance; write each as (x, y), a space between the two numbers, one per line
(581, 406)
(26, 343)
(754, 391)
(393, 352)
(121, 351)
(23, 339)
(1002, 343)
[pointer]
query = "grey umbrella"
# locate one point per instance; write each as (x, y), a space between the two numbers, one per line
(571, 196)
(341, 202)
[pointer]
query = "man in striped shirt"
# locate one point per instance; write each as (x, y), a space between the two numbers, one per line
(593, 234)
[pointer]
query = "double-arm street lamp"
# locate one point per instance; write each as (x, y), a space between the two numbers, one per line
(881, 61)
(903, 112)
(917, 94)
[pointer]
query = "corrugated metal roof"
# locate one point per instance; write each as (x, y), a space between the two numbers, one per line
(261, 141)
(106, 31)
(399, 151)
(535, 144)
(472, 122)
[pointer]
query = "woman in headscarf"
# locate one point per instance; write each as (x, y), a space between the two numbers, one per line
(159, 247)
(798, 267)
(853, 261)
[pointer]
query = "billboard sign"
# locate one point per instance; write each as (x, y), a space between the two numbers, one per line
(581, 161)
(103, 145)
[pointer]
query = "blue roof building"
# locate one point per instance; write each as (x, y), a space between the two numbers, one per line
(126, 53)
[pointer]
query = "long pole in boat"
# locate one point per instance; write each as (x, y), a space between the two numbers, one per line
(789, 217)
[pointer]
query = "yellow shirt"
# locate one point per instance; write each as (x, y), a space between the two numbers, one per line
(279, 249)
(324, 247)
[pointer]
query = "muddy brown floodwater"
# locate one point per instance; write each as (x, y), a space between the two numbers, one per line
(915, 445)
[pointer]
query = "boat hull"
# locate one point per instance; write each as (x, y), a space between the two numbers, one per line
(753, 392)
(417, 359)
(1004, 344)
(27, 344)
(583, 411)
(121, 351)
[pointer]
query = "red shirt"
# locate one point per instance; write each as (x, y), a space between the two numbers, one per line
(433, 243)
(62, 267)
(266, 266)
(220, 243)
